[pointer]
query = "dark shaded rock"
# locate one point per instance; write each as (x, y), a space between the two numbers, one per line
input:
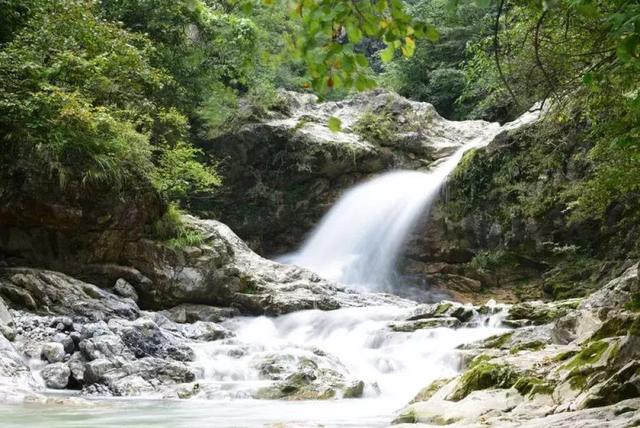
(43, 291)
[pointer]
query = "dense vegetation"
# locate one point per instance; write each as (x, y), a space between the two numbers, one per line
(105, 93)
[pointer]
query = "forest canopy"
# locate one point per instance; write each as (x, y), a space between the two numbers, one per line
(112, 91)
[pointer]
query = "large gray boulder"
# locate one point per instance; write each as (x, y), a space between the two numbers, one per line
(224, 271)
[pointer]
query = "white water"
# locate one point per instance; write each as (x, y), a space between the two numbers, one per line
(359, 240)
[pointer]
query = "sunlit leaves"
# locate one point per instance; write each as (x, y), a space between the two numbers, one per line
(332, 29)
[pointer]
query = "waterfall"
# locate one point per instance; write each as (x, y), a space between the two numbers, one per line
(359, 240)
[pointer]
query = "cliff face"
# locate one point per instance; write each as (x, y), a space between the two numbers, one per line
(509, 216)
(282, 174)
(63, 227)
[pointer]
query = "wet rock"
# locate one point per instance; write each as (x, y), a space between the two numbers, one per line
(123, 289)
(355, 390)
(205, 331)
(95, 371)
(321, 164)
(16, 380)
(541, 313)
(303, 378)
(439, 411)
(66, 341)
(105, 346)
(616, 293)
(143, 338)
(43, 291)
(409, 326)
(190, 313)
(5, 317)
(227, 273)
(56, 376)
(131, 386)
(76, 365)
(53, 352)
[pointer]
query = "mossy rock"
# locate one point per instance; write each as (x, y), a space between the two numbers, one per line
(430, 390)
(531, 385)
(485, 375)
(539, 313)
(616, 326)
(499, 341)
(534, 345)
(591, 354)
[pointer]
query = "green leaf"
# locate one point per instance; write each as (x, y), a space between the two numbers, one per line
(334, 124)
(386, 55)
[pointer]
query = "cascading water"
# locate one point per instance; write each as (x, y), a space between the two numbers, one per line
(358, 242)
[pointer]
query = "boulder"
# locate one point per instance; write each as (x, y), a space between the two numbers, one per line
(44, 291)
(226, 272)
(123, 289)
(53, 352)
(56, 376)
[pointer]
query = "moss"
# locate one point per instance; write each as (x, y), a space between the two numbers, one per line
(483, 376)
(613, 327)
(564, 356)
(535, 345)
(497, 341)
(578, 380)
(442, 309)
(634, 303)
(406, 417)
(173, 231)
(479, 359)
(634, 330)
(532, 385)
(375, 127)
(429, 391)
(589, 355)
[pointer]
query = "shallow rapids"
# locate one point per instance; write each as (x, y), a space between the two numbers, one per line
(355, 342)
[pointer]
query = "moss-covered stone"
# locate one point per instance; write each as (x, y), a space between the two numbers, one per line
(531, 385)
(498, 341)
(616, 326)
(589, 355)
(429, 391)
(534, 345)
(483, 376)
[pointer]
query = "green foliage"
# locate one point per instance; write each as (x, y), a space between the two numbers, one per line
(331, 30)
(179, 174)
(375, 127)
(74, 100)
(171, 229)
(435, 73)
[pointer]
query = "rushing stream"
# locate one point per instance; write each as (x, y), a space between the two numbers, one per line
(357, 341)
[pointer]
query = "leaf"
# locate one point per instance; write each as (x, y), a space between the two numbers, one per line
(483, 3)
(354, 33)
(431, 33)
(386, 55)
(334, 124)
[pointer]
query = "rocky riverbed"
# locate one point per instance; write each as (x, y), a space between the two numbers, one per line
(530, 364)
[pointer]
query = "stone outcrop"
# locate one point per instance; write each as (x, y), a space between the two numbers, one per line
(283, 173)
(578, 362)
